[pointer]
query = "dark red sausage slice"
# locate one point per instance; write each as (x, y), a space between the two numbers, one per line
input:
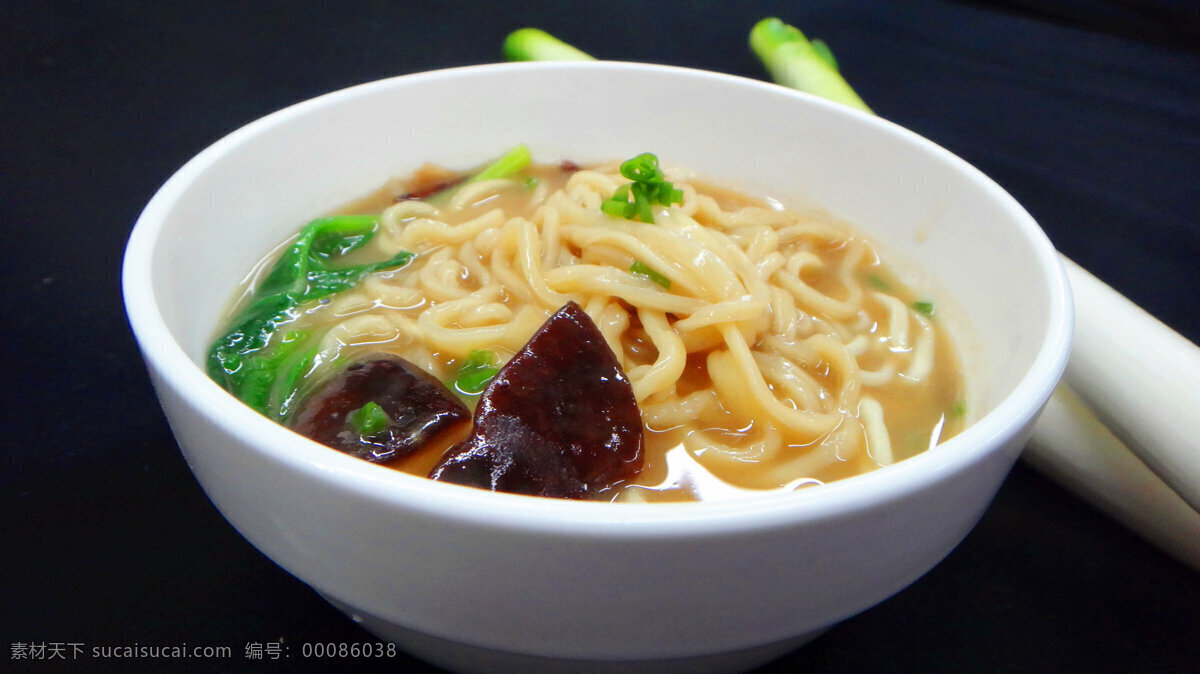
(559, 419)
(417, 404)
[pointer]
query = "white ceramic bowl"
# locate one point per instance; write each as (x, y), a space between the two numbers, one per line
(471, 579)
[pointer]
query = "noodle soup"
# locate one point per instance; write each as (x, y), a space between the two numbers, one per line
(766, 348)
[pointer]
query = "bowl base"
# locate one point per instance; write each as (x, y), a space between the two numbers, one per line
(467, 659)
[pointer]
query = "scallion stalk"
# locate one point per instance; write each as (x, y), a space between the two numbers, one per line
(531, 44)
(795, 62)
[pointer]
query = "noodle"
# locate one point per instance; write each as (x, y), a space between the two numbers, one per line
(768, 356)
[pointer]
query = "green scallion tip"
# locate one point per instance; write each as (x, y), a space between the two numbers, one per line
(368, 419)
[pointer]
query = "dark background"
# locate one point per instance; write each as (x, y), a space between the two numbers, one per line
(1088, 112)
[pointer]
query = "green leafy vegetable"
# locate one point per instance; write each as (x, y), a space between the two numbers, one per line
(531, 44)
(649, 187)
(265, 372)
(924, 307)
(476, 371)
(368, 419)
(509, 164)
(640, 268)
(795, 62)
(291, 377)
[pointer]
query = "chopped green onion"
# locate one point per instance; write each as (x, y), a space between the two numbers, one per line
(959, 409)
(642, 202)
(649, 187)
(877, 282)
(924, 307)
(642, 168)
(618, 204)
(531, 44)
(639, 268)
(368, 419)
(531, 182)
(476, 371)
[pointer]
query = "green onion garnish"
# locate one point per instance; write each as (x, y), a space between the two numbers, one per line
(924, 307)
(368, 419)
(618, 204)
(639, 268)
(877, 282)
(649, 187)
(476, 371)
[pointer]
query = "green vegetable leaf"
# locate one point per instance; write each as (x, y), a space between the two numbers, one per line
(249, 359)
(318, 243)
(509, 163)
(367, 420)
(291, 378)
(328, 282)
(639, 268)
(335, 236)
(476, 371)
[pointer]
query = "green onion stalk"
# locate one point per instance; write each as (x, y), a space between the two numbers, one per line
(795, 62)
(789, 57)
(531, 44)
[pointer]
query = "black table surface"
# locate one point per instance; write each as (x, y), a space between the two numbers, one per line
(1088, 113)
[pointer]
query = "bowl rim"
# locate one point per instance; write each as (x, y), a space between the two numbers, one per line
(166, 357)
